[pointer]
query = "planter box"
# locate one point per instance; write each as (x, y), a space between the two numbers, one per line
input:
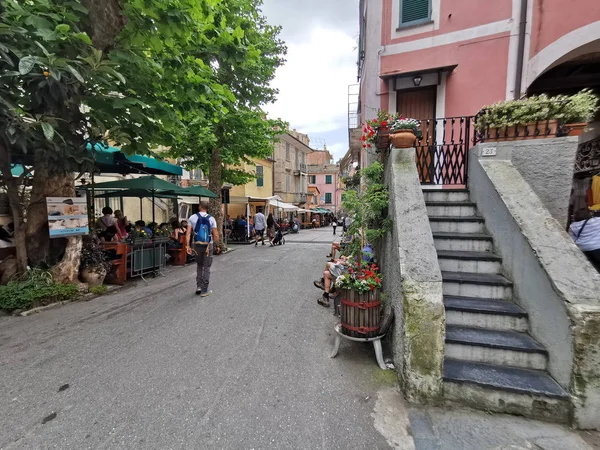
(534, 130)
(360, 313)
(383, 138)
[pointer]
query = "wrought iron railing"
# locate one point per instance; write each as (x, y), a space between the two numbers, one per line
(588, 156)
(442, 151)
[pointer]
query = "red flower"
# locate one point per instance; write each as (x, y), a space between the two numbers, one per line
(384, 123)
(364, 138)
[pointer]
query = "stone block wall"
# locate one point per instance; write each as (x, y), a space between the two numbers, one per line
(413, 283)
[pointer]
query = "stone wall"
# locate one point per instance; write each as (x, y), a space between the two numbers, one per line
(553, 280)
(413, 283)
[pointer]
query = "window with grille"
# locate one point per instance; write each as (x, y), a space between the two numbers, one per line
(260, 178)
(414, 12)
(328, 179)
(327, 197)
(313, 179)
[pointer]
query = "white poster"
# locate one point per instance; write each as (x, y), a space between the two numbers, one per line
(67, 216)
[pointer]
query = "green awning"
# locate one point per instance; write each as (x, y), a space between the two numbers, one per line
(139, 193)
(113, 160)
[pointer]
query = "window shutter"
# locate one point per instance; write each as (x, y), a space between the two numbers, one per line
(414, 10)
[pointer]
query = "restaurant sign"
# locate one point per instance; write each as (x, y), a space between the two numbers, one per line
(67, 216)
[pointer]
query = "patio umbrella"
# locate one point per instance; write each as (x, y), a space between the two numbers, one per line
(195, 191)
(151, 185)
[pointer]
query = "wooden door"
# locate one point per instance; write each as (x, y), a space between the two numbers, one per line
(420, 104)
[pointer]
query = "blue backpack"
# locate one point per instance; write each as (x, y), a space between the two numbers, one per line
(202, 229)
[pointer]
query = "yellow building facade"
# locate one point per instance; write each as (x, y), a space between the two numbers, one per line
(261, 187)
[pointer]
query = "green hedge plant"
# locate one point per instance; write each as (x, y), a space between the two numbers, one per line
(578, 108)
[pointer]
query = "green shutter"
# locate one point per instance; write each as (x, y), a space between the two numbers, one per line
(259, 176)
(327, 179)
(328, 197)
(414, 10)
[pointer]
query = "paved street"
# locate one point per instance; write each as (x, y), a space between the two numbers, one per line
(152, 366)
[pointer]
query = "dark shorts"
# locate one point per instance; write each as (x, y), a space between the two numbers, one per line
(259, 232)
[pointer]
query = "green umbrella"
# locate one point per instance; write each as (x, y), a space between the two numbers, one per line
(135, 193)
(194, 191)
(151, 184)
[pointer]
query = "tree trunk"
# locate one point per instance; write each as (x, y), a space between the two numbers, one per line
(14, 199)
(215, 184)
(67, 270)
(106, 21)
(41, 249)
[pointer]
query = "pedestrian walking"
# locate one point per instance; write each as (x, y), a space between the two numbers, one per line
(260, 223)
(204, 227)
(334, 225)
(271, 228)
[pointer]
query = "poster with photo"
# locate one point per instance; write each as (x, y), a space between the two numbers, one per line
(67, 216)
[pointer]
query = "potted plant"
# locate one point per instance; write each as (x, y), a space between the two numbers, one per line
(161, 235)
(404, 132)
(538, 116)
(377, 131)
(360, 307)
(137, 237)
(94, 264)
(367, 204)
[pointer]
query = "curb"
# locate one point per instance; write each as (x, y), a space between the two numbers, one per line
(83, 298)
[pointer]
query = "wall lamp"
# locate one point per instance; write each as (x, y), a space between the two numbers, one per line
(417, 80)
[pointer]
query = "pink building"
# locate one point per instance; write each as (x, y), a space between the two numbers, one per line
(447, 58)
(325, 176)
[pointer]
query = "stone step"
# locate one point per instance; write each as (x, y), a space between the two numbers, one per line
(463, 242)
(488, 313)
(446, 195)
(531, 393)
(450, 224)
(504, 348)
(479, 285)
(477, 262)
(457, 209)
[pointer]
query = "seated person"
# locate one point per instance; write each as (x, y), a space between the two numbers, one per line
(5, 238)
(110, 234)
(585, 231)
(141, 225)
(176, 234)
(333, 269)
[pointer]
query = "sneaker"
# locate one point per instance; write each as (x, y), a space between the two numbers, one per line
(319, 283)
(323, 302)
(198, 291)
(206, 294)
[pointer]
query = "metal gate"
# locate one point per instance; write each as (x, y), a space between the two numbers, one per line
(442, 151)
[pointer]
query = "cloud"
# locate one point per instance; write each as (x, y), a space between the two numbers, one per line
(321, 63)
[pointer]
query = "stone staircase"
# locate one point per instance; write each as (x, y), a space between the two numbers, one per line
(491, 361)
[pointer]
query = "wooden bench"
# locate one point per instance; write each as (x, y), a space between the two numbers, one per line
(179, 255)
(118, 273)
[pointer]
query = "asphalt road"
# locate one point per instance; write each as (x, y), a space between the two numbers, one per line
(152, 366)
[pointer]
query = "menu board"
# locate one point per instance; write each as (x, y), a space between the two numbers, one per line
(67, 216)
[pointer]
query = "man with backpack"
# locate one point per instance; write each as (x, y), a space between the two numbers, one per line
(205, 234)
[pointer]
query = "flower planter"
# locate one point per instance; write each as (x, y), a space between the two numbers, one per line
(383, 138)
(546, 129)
(575, 129)
(360, 313)
(160, 239)
(93, 276)
(403, 138)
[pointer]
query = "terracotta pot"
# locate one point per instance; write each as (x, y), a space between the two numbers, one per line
(403, 138)
(547, 129)
(575, 129)
(383, 138)
(93, 276)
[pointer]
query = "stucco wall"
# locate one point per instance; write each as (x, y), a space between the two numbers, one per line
(413, 283)
(553, 280)
(547, 166)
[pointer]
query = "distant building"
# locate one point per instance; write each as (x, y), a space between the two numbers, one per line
(290, 175)
(261, 187)
(325, 175)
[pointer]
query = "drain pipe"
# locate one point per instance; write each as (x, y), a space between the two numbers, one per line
(521, 53)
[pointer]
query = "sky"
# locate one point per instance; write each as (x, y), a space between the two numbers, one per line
(321, 36)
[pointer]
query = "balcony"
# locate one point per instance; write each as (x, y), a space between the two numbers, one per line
(301, 171)
(300, 198)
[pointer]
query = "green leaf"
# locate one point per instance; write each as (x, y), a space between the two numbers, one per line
(75, 73)
(62, 28)
(26, 64)
(83, 37)
(48, 130)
